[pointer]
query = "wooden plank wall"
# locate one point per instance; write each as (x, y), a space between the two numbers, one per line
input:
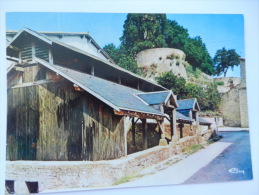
(22, 123)
(68, 125)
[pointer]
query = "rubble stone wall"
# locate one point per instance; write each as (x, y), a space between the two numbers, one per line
(155, 61)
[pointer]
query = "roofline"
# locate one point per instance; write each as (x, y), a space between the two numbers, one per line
(142, 111)
(46, 64)
(30, 32)
(101, 60)
(51, 41)
(195, 101)
(152, 92)
(46, 32)
(72, 34)
(171, 93)
(136, 95)
(107, 63)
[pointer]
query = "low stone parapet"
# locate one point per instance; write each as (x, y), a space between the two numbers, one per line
(57, 175)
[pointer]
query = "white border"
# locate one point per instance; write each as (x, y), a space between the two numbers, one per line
(250, 9)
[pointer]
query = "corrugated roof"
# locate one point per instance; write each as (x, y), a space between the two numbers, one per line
(186, 104)
(114, 94)
(154, 97)
(180, 116)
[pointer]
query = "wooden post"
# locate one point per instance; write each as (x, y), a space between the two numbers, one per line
(173, 126)
(92, 70)
(119, 80)
(133, 132)
(162, 141)
(181, 125)
(144, 132)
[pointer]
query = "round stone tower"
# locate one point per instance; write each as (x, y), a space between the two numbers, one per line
(155, 61)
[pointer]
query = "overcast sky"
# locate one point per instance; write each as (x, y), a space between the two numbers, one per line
(216, 30)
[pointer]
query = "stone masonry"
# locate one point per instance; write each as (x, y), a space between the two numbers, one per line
(155, 61)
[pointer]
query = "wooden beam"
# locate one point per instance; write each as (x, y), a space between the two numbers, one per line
(19, 69)
(140, 115)
(161, 128)
(29, 84)
(14, 48)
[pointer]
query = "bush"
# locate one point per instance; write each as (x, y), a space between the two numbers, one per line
(208, 96)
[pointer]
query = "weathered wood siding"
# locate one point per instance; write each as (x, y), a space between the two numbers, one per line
(22, 123)
(153, 137)
(60, 123)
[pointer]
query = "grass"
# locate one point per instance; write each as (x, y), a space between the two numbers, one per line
(192, 149)
(127, 179)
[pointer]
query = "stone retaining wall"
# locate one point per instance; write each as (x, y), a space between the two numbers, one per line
(58, 175)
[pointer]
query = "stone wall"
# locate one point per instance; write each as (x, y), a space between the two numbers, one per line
(58, 175)
(243, 107)
(62, 175)
(233, 105)
(230, 108)
(155, 61)
(229, 83)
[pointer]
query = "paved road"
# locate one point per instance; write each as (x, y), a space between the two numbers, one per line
(228, 159)
(233, 164)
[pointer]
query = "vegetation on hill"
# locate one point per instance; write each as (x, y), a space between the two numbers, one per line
(145, 31)
(207, 95)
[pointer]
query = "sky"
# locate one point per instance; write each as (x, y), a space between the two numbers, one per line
(216, 30)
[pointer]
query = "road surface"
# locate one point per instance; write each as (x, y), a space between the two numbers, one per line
(233, 164)
(229, 159)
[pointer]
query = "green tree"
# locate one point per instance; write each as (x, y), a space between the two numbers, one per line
(171, 81)
(208, 96)
(143, 31)
(128, 62)
(198, 56)
(176, 36)
(113, 52)
(225, 59)
(212, 97)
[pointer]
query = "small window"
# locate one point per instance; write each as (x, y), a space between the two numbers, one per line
(9, 186)
(32, 186)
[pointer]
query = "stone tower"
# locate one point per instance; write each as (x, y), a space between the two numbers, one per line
(153, 62)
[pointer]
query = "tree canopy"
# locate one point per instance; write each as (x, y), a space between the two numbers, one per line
(146, 31)
(225, 59)
(208, 97)
(143, 31)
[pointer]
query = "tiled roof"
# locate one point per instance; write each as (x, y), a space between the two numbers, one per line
(154, 97)
(204, 121)
(186, 104)
(180, 116)
(116, 95)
